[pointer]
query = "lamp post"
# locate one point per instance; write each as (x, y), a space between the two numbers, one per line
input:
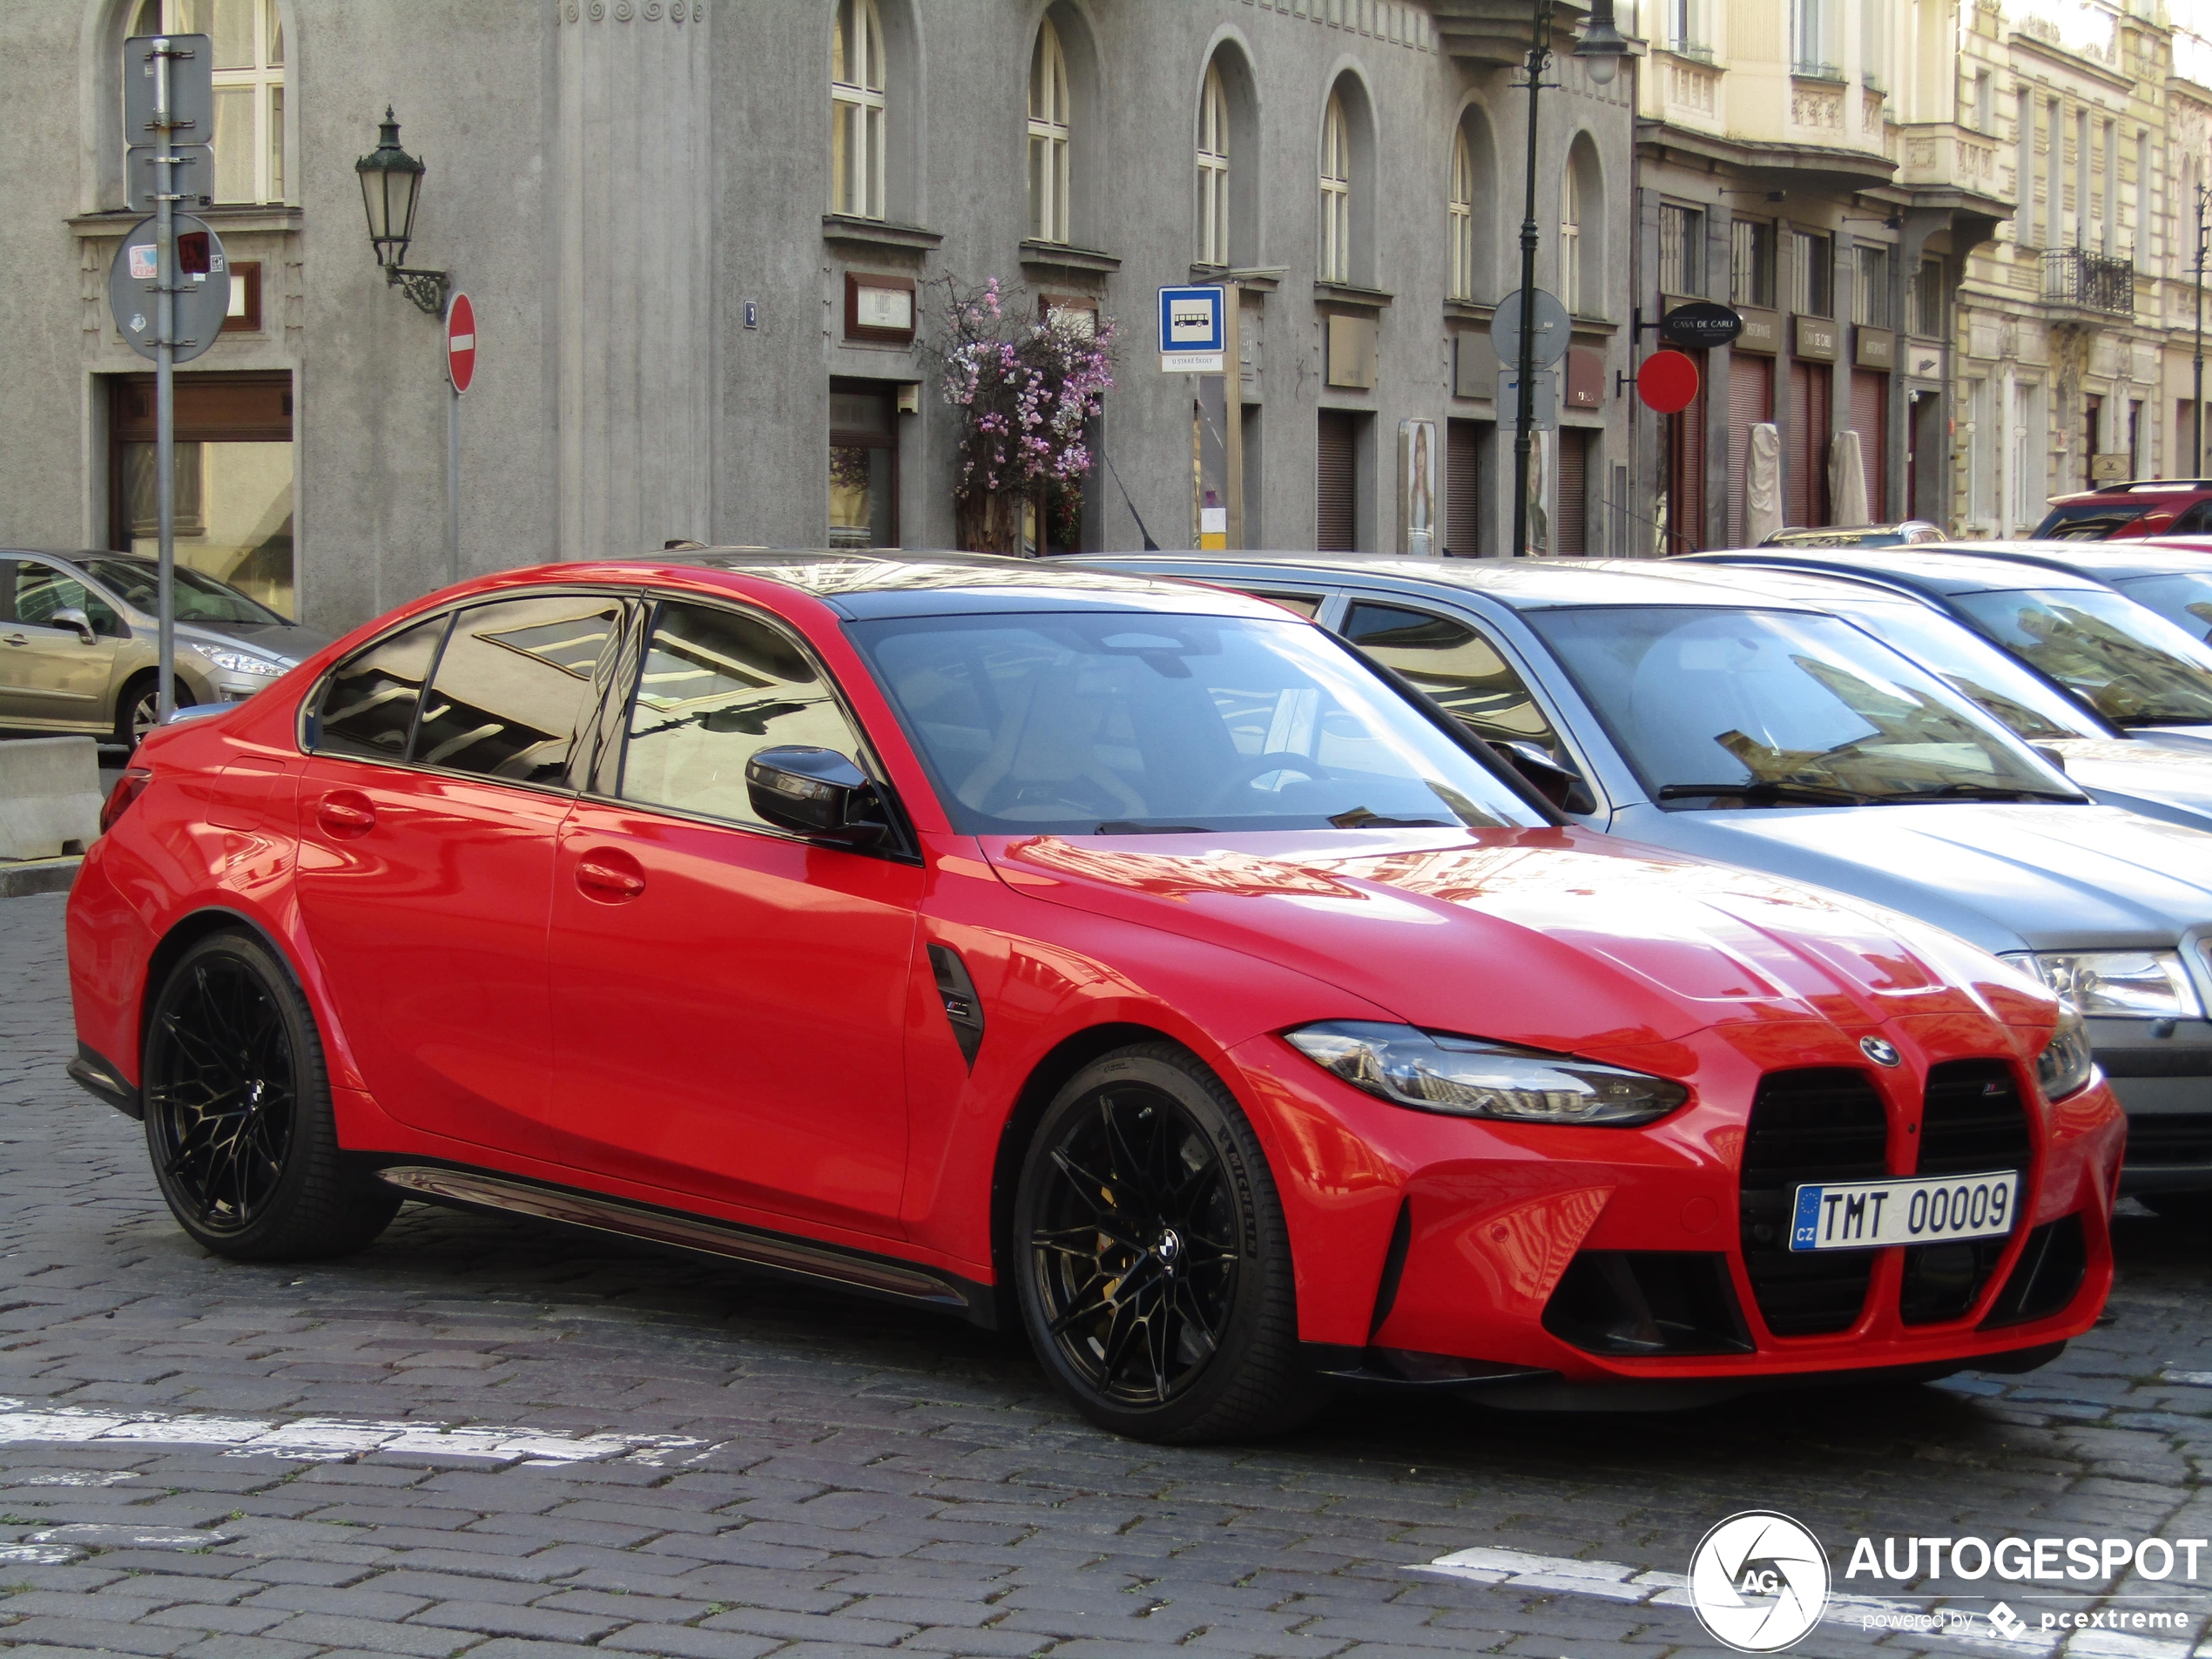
(1602, 47)
(391, 182)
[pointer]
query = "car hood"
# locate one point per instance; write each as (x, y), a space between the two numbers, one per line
(285, 640)
(1564, 939)
(2006, 877)
(2172, 783)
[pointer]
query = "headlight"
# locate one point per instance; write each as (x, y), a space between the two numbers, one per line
(1434, 1071)
(2117, 984)
(238, 662)
(2066, 1066)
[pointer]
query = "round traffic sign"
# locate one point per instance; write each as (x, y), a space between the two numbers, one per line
(202, 292)
(1667, 382)
(1551, 330)
(461, 342)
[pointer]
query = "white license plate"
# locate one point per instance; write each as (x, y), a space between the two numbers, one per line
(1865, 1214)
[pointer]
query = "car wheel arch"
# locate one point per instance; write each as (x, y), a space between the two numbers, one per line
(1046, 1078)
(190, 928)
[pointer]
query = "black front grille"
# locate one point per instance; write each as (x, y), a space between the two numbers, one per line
(2178, 1137)
(1824, 1123)
(1971, 1122)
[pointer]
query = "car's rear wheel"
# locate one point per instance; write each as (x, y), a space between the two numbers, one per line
(1153, 1266)
(138, 709)
(238, 1113)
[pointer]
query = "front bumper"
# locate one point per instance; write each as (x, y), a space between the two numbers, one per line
(1511, 1258)
(2164, 1085)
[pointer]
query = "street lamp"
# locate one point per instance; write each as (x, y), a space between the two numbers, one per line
(391, 182)
(1602, 47)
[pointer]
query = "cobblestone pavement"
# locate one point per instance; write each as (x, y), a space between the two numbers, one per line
(247, 1461)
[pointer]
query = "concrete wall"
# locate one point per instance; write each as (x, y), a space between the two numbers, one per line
(610, 200)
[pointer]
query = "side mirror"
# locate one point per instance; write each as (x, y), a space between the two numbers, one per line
(2056, 759)
(70, 617)
(817, 793)
(1560, 785)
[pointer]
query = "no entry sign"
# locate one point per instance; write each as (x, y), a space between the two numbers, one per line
(461, 342)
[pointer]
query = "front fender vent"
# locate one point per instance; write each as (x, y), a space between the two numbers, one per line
(963, 1009)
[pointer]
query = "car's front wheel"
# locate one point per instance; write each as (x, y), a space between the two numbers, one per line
(238, 1113)
(1152, 1261)
(138, 712)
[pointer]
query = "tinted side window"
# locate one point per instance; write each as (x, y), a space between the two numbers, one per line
(366, 707)
(41, 590)
(1306, 604)
(717, 688)
(512, 685)
(1458, 667)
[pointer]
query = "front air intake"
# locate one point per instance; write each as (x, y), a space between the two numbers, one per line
(1647, 1302)
(1824, 1124)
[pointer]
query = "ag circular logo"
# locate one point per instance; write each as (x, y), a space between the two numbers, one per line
(1880, 1051)
(1758, 1582)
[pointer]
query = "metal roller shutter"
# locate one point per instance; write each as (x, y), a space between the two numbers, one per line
(1336, 503)
(1463, 489)
(1805, 442)
(1571, 537)
(1870, 417)
(1686, 472)
(1750, 400)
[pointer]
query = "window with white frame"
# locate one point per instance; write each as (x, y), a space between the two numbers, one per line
(1336, 193)
(1462, 218)
(1050, 131)
(2027, 453)
(1571, 243)
(1682, 250)
(248, 74)
(1213, 169)
(1869, 294)
(857, 110)
(2024, 172)
(1809, 46)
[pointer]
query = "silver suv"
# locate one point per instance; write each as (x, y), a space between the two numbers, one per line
(77, 642)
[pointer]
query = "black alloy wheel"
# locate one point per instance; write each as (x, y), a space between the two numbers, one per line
(1155, 1272)
(138, 712)
(238, 1113)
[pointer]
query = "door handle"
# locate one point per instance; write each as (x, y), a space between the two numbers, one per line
(345, 815)
(609, 877)
(18, 639)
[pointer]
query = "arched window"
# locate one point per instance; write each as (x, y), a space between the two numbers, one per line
(1049, 129)
(1462, 218)
(1336, 193)
(1213, 169)
(1582, 232)
(857, 110)
(248, 73)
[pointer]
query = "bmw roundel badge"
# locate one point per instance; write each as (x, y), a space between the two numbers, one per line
(1881, 1051)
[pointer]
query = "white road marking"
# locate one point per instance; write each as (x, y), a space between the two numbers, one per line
(1519, 1569)
(326, 1440)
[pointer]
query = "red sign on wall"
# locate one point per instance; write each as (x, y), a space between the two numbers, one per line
(461, 342)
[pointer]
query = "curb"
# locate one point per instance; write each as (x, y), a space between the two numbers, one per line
(37, 875)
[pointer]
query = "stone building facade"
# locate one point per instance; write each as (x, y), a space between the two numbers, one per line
(2074, 318)
(686, 226)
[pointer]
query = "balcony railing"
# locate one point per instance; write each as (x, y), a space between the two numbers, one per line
(2073, 276)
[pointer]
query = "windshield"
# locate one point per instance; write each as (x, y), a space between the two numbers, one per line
(2089, 521)
(1084, 724)
(2029, 706)
(1728, 707)
(200, 598)
(2184, 599)
(2130, 664)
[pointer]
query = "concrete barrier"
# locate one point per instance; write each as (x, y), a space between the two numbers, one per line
(49, 796)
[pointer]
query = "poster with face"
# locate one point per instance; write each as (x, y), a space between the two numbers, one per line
(1417, 462)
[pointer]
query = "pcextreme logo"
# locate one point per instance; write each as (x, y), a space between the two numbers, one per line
(1758, 1582)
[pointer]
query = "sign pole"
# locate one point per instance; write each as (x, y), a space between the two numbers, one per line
(164, 394)
(453, 482)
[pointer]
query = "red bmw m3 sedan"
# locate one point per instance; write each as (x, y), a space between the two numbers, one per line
(1125, 961)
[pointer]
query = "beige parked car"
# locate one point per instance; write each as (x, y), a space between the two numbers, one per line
(77, 642)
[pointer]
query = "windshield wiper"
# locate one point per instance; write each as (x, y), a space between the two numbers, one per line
(2130, 722)
(1986, 792)
(1811, 794)
(1360, 818)
(1130, 826)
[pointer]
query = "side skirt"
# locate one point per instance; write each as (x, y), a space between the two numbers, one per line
(102, 1079)
(806, 1260)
